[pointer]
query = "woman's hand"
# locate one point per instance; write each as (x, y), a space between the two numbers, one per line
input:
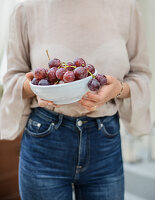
(44, 103)
(91, 101)
(28, 93)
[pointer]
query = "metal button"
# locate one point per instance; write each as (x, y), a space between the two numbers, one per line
(79, 167)
(53, 124)
(101, 125)
(79, 123)
(38, 125)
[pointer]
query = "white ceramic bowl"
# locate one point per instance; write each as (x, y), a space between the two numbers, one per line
(63, 93)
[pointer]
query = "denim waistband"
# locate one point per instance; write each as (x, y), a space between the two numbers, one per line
(50, 115)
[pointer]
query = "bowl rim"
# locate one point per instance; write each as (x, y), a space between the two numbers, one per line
(65, 84)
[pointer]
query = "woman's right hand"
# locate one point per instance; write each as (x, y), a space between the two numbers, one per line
(28, 93)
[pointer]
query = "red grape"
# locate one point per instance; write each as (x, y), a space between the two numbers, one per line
(79, 62)
(35, 81)
(43, 82)
(94, 85)
(52, 75)
(60, 73)
(70, 68)
(54, 63)
(81, 72)
(101, 79)
(69, 77)
(40, 73)
(90, 68)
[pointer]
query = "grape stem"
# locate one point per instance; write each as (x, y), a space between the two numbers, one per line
(47, 54)
(93, 76)
(65, 66)
(56, 82)
(70, 66)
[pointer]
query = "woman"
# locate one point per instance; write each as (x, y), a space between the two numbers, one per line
(77, 143)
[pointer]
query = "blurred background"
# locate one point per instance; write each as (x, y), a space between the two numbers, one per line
(138, 152)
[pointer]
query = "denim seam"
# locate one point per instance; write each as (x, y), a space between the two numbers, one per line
(88, 157)
(45, 133)
(105, 132)
(59, 122)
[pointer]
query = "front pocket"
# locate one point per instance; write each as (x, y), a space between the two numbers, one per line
(38, 129)
(111, 128)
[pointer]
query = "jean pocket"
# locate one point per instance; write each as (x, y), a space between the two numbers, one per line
(38, 128)
(111, 127)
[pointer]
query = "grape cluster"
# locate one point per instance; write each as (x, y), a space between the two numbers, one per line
(95, 83)
(61, 73)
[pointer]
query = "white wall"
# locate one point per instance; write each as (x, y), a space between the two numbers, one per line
(148, 10)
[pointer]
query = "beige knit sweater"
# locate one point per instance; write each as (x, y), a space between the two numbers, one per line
(106, 33)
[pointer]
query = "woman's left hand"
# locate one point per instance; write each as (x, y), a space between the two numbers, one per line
(91, 101)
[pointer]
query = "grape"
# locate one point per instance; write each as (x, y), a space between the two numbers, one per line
(43, 82)
(54, 63)
(90, 68)
(69, 77)
(52, 75)
(54, 68)
(79, 62)
(101, 79)
(46, 70)
(94, 85)
(80, 72)
(70, 68)
(60, 73)
(35, 81)
(40, 73)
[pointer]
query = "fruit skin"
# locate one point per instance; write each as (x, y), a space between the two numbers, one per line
(90, 68)
(94, 85)
(54, 63)
(52, 75)
(101, 79)
(70, 68)
(40, 73)
(46, 70)
(35, 81)
(60, 73)
(79, 62)
(43, 82)
(69, 77)
(80, 73)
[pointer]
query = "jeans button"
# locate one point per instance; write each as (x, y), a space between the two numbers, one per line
(101, 125)
(79, 123)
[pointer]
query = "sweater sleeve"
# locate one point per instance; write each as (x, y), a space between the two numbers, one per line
(135, 111)
(18, 63)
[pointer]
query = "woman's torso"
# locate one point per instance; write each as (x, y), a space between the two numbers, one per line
(97, 31)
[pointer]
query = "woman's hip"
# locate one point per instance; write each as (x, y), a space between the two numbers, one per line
(69, 147)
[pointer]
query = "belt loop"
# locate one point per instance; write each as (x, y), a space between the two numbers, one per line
(99, 123)
(59, 122)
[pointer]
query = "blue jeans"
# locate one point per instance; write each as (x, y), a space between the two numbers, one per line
(59, 151)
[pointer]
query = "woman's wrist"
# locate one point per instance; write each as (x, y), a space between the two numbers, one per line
(124, 90)
(27, 92)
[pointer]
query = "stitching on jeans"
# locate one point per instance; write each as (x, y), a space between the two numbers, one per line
(42, 134)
